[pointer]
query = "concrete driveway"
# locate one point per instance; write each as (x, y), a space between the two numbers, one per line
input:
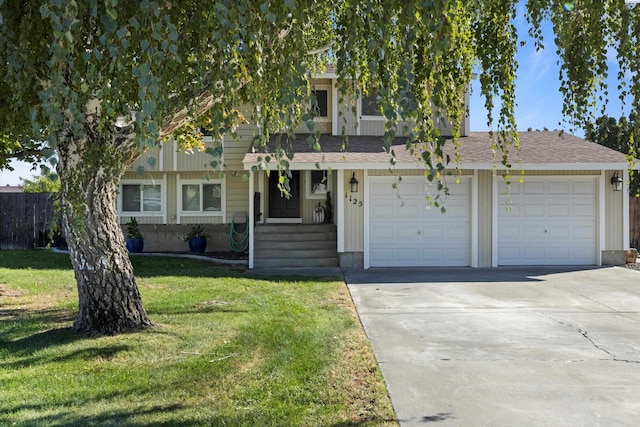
(505, 347)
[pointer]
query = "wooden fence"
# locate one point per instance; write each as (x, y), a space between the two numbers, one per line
(634, 222)
(23, 220)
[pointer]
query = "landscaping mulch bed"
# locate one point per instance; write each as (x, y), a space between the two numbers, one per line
(633, 266)
(229, 255)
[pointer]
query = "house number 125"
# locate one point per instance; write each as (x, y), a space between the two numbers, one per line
(353, 200)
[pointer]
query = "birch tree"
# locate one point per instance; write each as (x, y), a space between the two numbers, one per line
(101, 81)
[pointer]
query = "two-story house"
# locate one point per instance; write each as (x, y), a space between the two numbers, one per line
(568, 209)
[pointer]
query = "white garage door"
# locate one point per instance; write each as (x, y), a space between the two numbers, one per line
(406, 232)
(551, 221)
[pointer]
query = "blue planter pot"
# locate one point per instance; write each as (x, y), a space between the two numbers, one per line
(135, 245)
(197, 245)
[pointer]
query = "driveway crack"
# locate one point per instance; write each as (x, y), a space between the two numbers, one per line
(590, 299)
(585, 334)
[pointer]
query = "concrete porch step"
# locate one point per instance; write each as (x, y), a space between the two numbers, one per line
(295, 245)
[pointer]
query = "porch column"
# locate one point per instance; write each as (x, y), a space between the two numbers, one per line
(251, 219)
(339, 217)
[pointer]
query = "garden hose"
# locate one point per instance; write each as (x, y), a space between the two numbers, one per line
(239, 241)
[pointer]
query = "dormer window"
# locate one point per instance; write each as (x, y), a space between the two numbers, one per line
(370, 104)
(321, 104)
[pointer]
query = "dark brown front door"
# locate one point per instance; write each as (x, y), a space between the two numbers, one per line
(279, 205)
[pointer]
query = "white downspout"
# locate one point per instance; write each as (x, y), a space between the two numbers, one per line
(251, 220)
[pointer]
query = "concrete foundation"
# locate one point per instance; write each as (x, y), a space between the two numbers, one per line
(614, 257)
(351, 259)
(168, 237)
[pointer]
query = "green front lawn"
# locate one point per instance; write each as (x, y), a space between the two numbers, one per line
(228, 350)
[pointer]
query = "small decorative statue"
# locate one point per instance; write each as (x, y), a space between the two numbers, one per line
(328, 211)
(318, 215)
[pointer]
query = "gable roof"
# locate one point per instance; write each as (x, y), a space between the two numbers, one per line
(538, 150)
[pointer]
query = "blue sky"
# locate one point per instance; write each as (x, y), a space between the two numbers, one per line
(539, 103)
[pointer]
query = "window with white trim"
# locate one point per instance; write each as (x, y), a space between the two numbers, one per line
(369, 104)
(141, 198)
(197, 197)
(317, 184)
(321, 103)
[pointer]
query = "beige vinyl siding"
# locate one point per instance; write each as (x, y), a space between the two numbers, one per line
(324, 127)
(237, 194)
(613, 215)
(149, 158)
(347, 119)
(485, 219)
(235, 149)
(353, 213)
(171, 204)
(197, 160)
(375, 127)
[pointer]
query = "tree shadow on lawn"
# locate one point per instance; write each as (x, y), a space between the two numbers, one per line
(112, 417)
(27, 349)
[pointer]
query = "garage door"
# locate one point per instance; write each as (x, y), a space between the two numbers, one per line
(406, 232)
(550, 221)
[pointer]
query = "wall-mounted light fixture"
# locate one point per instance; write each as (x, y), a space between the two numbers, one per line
(354, 183)
(616, 182)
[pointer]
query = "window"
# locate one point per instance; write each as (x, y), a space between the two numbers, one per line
(321, 105)
(317, 184)
(201, 197)
(370, 104)
(141, 198)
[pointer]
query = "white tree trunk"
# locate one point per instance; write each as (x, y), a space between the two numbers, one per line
(90, 169)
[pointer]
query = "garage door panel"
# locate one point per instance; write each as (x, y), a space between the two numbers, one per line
(381, 211)
(512, 210)
(556, 187)
(560, 253)
(458, 233)
(509, 231)
(584, 232)
(556, 226)
(559, 232)
(559, 210)
(407, 188)
(532, 209)
(455, 210)
(410, 209)
(531, 188)
(381, 190)
(507, 252)
(587, 188)
(583, 210)
(432, 256)
(432, 233)
(408, 233)
(534, 254)
(407, 255)
(382, 232)
(422, 235)
(533, 232)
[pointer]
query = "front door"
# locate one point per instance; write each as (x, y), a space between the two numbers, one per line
(279, 205)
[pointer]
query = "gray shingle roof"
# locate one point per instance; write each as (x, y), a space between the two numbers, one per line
(546, 147)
